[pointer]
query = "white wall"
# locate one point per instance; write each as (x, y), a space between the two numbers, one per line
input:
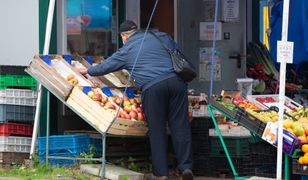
(19, 31)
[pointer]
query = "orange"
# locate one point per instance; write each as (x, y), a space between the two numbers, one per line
(306, 154)
(305, 160)
(300, 160)
(305, 148)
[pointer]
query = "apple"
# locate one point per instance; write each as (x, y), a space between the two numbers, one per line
(127, 116)
(70, 77)
(140, 116)
(127, 108)
(139, 109)
(117, 100)
(133, 107)
(132, 101)
(97, 97)
(108, 105)
(126, 103)
(133, 114)
(91, 94)
(104, 99)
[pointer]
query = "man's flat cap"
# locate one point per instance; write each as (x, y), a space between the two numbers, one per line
(127, 26)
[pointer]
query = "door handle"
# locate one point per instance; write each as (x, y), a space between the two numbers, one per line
(238, 58)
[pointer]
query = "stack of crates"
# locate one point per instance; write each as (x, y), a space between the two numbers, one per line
(17, 110)
(63, 145)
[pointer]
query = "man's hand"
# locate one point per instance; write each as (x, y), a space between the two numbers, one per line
(83, 71)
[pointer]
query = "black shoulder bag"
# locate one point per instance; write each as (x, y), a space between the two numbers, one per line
(181, 65)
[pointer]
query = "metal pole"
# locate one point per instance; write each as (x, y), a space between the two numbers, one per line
(39, 96)
(47, 126)
(103, 168)
(282, 79)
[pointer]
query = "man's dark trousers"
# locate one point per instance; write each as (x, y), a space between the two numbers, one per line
(167, 102)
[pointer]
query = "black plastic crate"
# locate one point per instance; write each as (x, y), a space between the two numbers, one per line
(220, 167)
(236, 146)
(250, 122)
(13, 70)
(297, 168)
(267, 170)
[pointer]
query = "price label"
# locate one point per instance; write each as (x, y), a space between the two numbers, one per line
(285, 51)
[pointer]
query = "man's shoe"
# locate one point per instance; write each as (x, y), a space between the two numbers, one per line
(187, 175)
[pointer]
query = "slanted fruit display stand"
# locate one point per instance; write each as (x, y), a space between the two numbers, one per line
(259, 114)
(106, 108)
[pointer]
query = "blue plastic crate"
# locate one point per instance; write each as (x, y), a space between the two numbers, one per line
(63, 144)
(98, 145)
(16, 113)
(58, 162)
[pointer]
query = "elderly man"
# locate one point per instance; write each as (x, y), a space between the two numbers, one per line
(164, 95)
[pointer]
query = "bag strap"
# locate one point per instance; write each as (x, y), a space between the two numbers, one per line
(161, 42)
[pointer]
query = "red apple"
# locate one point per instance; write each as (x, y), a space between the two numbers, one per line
(127, 116)
(140, 116)
(108, 105)
(139, 109)
(133, 114)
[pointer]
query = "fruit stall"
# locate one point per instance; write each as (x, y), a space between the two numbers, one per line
(100, 101)
(259, 114)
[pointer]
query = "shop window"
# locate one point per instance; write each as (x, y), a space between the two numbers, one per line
(91, 27)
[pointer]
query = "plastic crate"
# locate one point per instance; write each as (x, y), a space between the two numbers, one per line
(237, 146)
(59, 162)
(64, 144)
(18, 101)
(13, 70)
(7, 129)
(14, 113)
(15, 144)
(250, 122)
(17, 81)
(18, 93)
(297, 168)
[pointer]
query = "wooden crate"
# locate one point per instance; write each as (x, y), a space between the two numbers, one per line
(10, 158)
(51, 77)
(116, 79)
(100, 119)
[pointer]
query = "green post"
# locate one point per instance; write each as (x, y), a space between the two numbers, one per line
(43, 11)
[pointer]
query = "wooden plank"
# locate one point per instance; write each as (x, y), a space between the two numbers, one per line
(47, 82)
(87, 116)
(52, 72)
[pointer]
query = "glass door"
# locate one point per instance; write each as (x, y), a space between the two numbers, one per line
(87, 27)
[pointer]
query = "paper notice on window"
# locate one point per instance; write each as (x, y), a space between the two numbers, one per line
(230, 10)
(205, 71)
(205, 53)
(207, 31)
(209, 9)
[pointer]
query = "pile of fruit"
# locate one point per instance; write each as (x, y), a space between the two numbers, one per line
(130, 108)
(243, 102)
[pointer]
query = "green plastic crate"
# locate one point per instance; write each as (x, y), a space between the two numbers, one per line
(237, 146)
(17, 81)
